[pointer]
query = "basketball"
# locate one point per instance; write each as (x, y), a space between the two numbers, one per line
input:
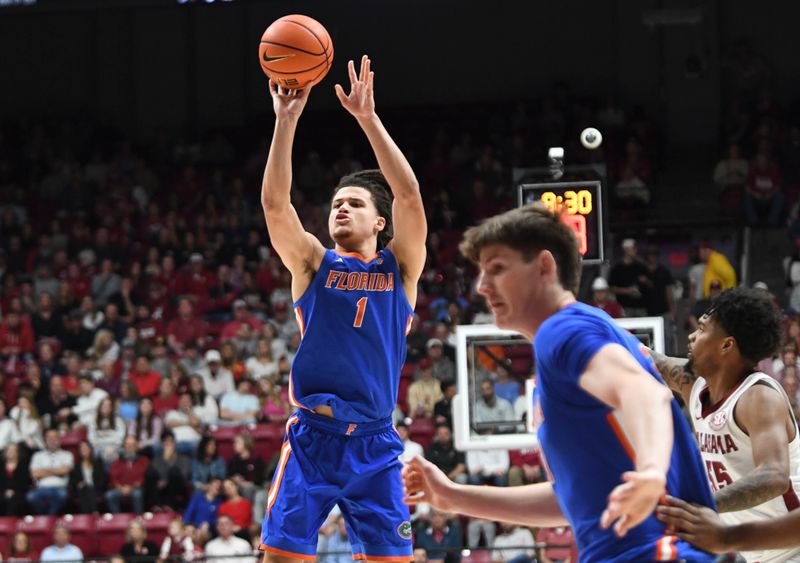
(296, 51)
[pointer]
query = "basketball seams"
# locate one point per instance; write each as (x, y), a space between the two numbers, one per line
(293, 71)
(301, 36)
(324, 47)
(293, 48)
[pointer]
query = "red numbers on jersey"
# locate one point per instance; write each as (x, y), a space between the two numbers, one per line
(718, 475)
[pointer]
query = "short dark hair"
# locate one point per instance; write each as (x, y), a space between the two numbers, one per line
(447, 384)
(375, 183)
(748, 316)
(529, 230)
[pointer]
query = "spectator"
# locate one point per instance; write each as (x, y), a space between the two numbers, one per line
(62, 550)
(239, 407)
(167, 399)
(717, 268)
(9, 433)
(333, 545)
(208, 464)
(145, 379)
(15, 480)
(88, 401)
(106, 432)
(21, 550)
(504, 385)
(127, 478)
(128, 403)
(203, 507)
(240, 316)
(48, 363)
(56, 406)
(424, 393)
(235, 507)
(625, 279)
(114, 323)
(91, 318)
(526, 467)
(74, 337)
(602, 299)
(104, 350)
(788, 358)
(105, 283)
(488, 467)
(178, 545)
(216, 379)
(443, 410)
(45, 322)
(109, 381)
(411, 448)
(563, 543)
(443, 367)
(510, 546)
(763, 198)
(88, 479)
(490, 407)
(262, 364)
(147, 428)
(656, 287)
(730, 173)
(443, 455)
(138, 549)
(191, 360)
(631, 191)
(185, 328)
(50, 470)
(275, 405)
(227, 548)
(442, 540)
(168, 476)
(230, 361)
(246, 469)
(29, 425)
(16, 337)
(420, 555)
(416, 341)
(185, 425)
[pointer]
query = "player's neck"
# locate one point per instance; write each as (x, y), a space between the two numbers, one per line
(366, 249)
(724, 380)
(559, 299)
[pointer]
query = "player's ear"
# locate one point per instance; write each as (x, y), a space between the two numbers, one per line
(547, 263)
(380, 222)
(728, 345)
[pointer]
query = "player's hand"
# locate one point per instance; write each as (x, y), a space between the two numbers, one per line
(288, 103)
(360, 102)
(424, 482)
(698, 525)
(634, 500)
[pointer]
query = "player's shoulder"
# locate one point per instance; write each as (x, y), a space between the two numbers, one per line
(576, 317)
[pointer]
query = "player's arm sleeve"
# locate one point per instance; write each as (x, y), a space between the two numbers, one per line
(564, 348)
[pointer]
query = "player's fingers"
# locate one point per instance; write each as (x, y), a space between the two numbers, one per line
(415, 498)
(622, 525)
(610, 514)
(673, 520)
(362, 75)
(340, 93)
(621, 492)
(273, 88)
(351, 71)
(370, 81)
(674, 501)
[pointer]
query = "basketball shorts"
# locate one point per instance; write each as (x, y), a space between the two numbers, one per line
(325, 462)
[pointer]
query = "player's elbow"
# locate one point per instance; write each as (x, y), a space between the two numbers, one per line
(776, 479)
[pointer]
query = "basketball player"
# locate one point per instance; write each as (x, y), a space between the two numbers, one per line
(743, 419)
(603, 413)
(353, 305)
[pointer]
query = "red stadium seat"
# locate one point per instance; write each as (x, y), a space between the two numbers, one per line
(157, 525)
(478, 556)
(402, 395)
(224, 436)
(39, 530)
(83, 533)
(422, 431)
(71, 439)
(8, 525)
(267, 439)
(111, 528)
(407, 371)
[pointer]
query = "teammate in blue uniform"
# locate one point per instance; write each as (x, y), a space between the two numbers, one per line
(353, 306)
(612, 437)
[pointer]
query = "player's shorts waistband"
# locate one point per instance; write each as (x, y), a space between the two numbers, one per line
(335, 426)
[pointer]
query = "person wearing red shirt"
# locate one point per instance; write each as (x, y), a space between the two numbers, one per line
(197, 281)
(240, 316)
(169, 277)
(149, 330)
(526, 467)
(146, 380)
(16, 336)
(127, 478)
(602, 300)
(237, 508)
(561, 536)
(79, 282)
(185, 327)
(166, 400)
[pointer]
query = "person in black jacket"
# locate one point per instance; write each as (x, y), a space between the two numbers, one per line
(15, 480)
(138, 548)
(88, 479)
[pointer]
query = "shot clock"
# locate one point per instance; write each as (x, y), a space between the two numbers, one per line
(581, 207)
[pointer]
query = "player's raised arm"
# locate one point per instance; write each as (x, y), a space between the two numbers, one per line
(408, 213)
(677, 374)
(299, 250)
(616, 378)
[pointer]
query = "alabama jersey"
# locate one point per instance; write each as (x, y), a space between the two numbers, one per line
(353, 317)
(728, 455)
(585, 446)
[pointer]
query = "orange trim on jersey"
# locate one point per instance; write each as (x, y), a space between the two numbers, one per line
(286, 451)
(361, 556)
(621, 436)
(357, 255)
(292, 400)
(665, 549)
(298, 316)
(263, 547)
(408, 324)
(292, 420)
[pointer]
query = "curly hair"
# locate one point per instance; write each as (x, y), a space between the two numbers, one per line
(375, 183)
(749, 317)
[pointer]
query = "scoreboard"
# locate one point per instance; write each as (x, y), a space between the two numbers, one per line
(581, 208)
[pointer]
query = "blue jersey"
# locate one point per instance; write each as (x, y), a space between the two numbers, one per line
(353, 319)
(585, 446)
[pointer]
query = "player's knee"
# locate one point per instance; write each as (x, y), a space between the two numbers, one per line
(270, 557)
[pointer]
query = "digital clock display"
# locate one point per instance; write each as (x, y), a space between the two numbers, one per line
(580, 205)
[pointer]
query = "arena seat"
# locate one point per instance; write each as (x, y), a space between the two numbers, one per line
(157, 525)
(224, 436)
(478, 556)
(39, 530)
(402, 395)
(71, 439)
(407, 371)
(83, 533)
(422, 431)
(111, 528)
(267, 439)
(8, 525)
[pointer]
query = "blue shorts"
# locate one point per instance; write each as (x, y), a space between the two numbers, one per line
(669, 549)
(325, 462)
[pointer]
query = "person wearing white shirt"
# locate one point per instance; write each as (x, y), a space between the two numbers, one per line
(488, 467)
(239, 407)
(204, 405)
(263, 364)
(106, 432)
(217, 379)
(185, 425)
(226, 546)
(412, 448)
(515, 544)
(89, 400)
(62, 550)
(50, 470)
(9, 433)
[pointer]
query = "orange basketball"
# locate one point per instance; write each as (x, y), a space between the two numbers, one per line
(296, 51)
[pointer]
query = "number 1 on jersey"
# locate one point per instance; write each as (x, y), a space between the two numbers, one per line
(361, 309)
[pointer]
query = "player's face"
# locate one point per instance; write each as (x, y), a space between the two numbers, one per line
(353, 217)
(513, 288)
(705, 346)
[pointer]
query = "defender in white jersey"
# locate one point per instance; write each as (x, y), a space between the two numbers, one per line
(745, 428)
